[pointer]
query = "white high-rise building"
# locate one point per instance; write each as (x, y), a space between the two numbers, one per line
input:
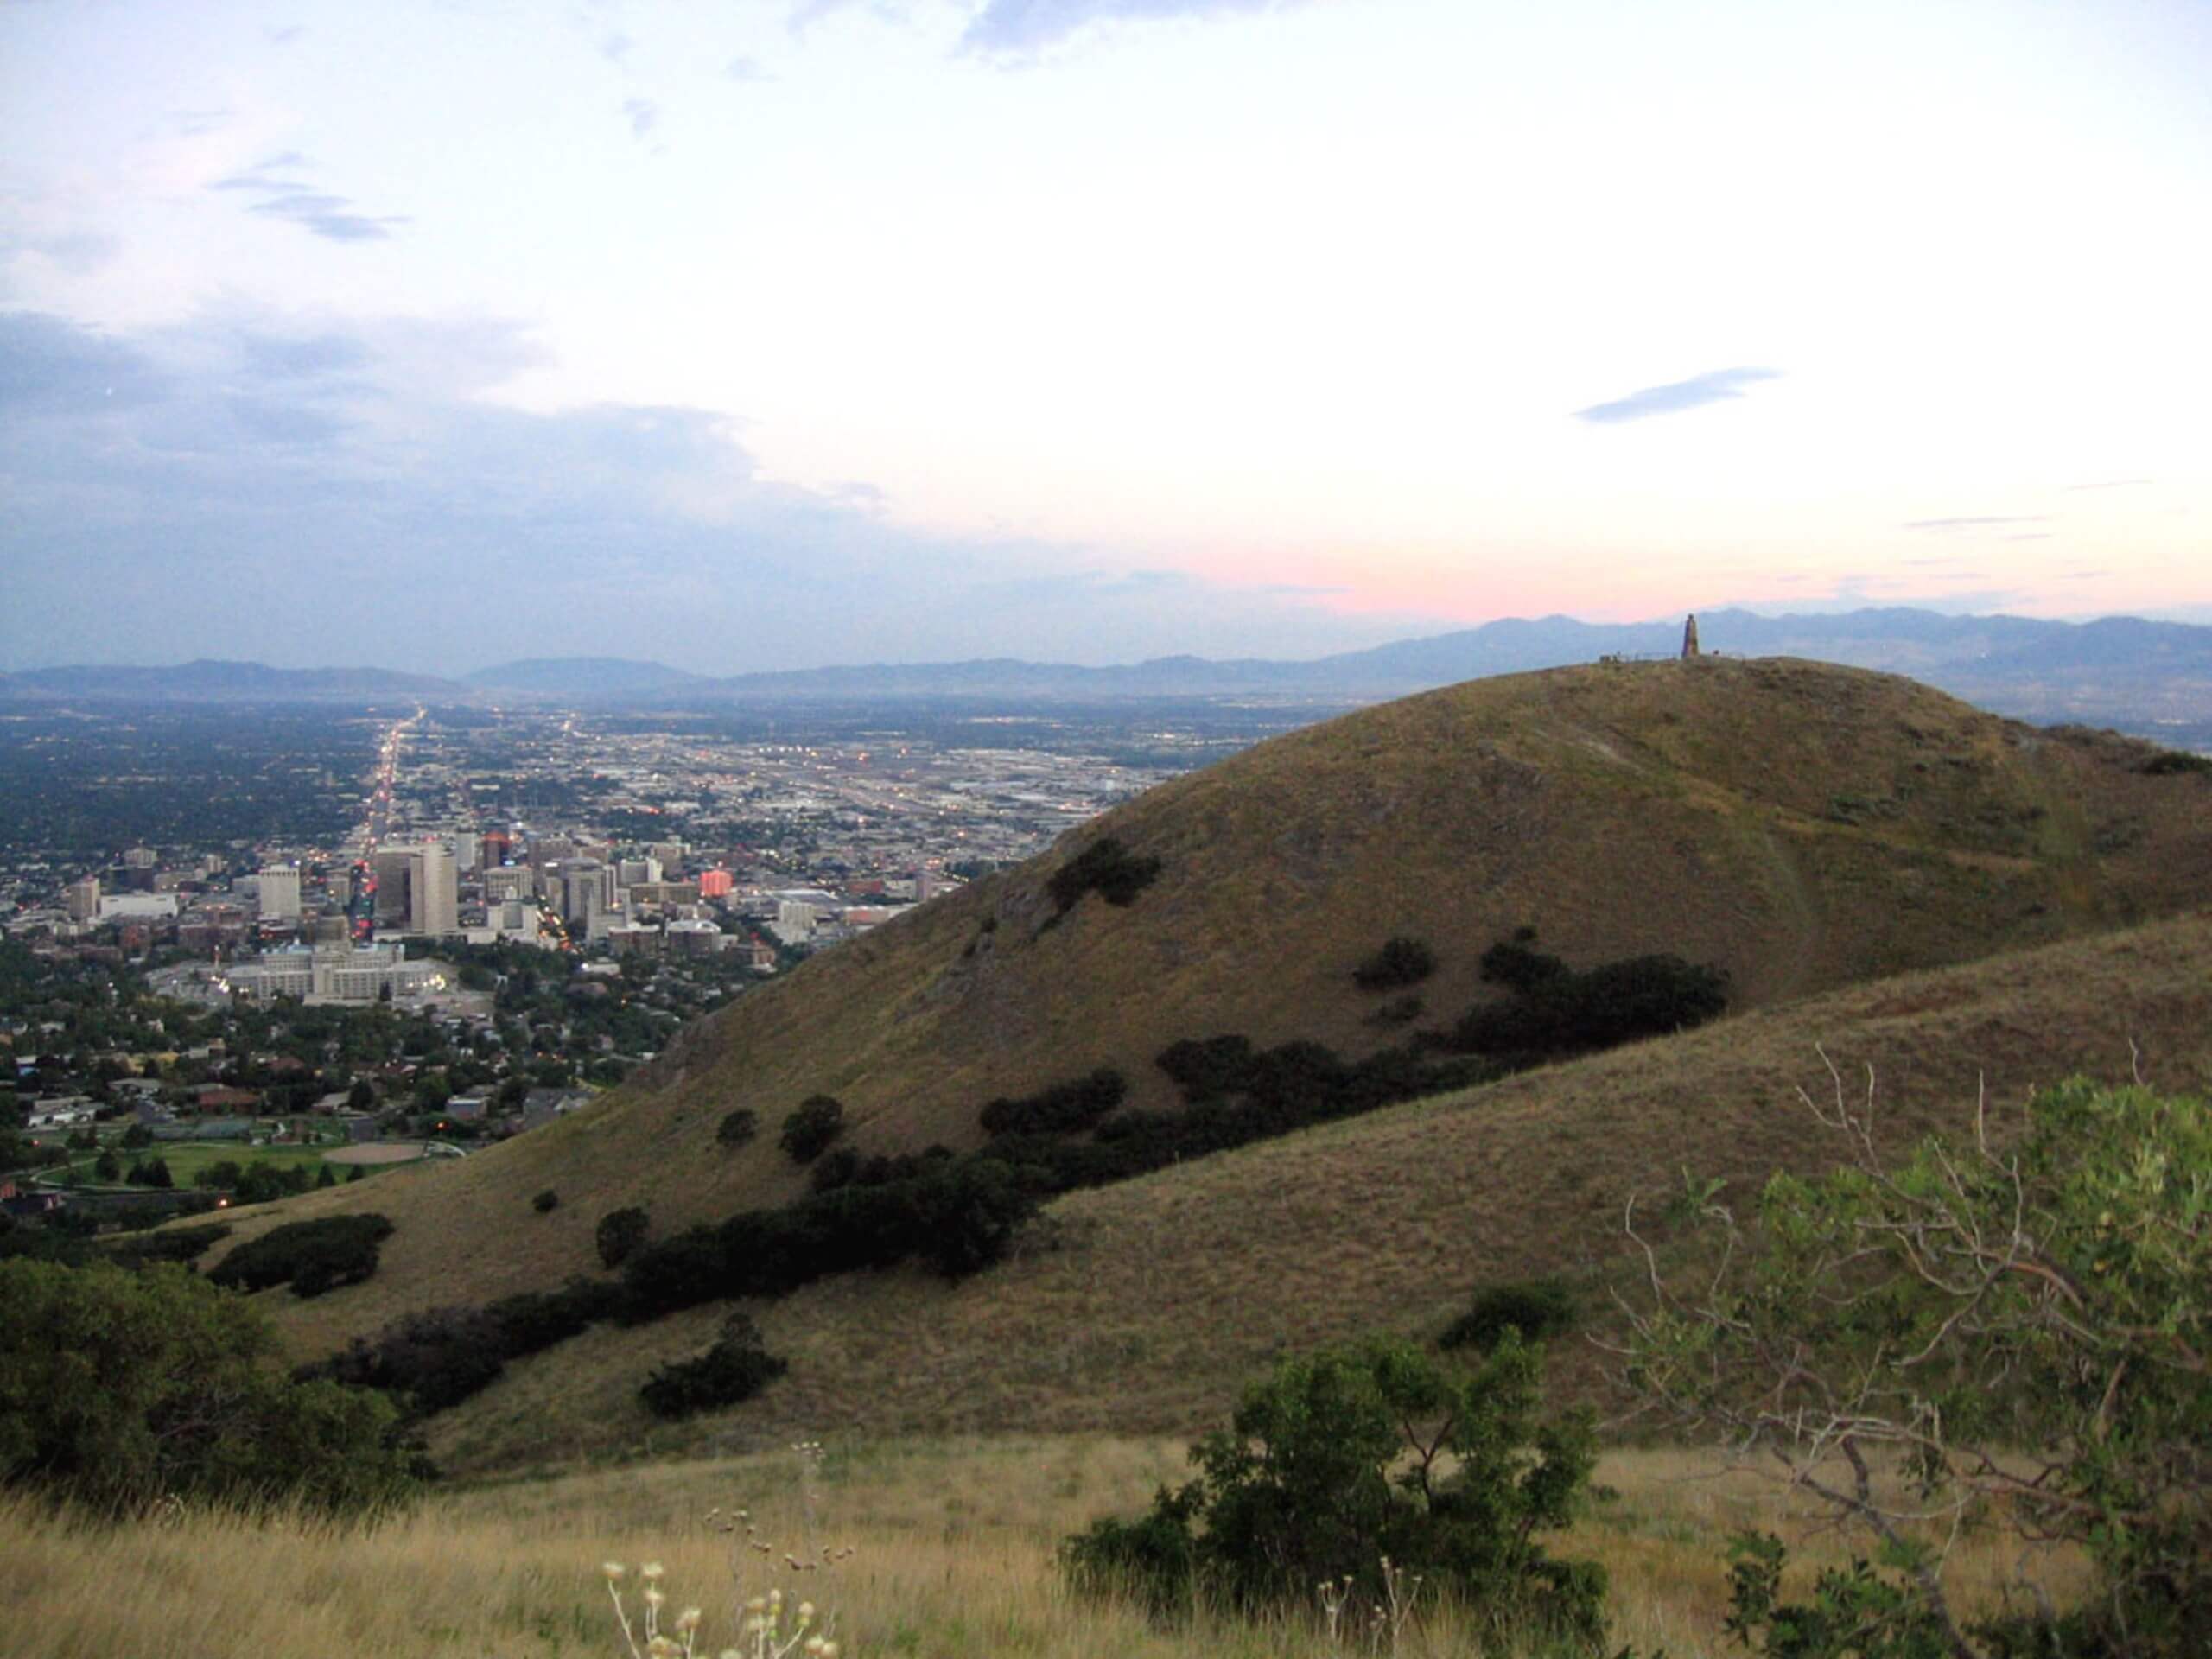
(279, 887)
(434, 901)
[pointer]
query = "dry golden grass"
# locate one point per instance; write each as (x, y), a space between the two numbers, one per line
(1806, 827)
(1141, 1308)
(952, 1555)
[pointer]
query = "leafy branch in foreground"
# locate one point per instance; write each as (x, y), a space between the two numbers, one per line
(2018, 1330)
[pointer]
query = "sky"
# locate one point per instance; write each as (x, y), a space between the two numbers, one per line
(769, 333)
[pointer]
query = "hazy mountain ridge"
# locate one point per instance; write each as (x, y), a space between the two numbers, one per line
(2142, 675)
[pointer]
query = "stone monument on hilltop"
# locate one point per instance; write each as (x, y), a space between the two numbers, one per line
(1689, 637)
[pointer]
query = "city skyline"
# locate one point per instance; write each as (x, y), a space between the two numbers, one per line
(782, 335)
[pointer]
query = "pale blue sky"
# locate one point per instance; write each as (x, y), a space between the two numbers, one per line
(765, 335)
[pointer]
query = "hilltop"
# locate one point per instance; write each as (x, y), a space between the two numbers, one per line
(1804, 828)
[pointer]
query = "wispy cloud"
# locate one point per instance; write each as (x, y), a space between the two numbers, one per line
(616, 46)
(1720, 385)
(643, 115)
(1019, 26)
(315, 210)
(747, 71)
(2107, 484)
(1986, 522)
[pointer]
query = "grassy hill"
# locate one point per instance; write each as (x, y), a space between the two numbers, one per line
(1141, 1307)
(1805, 828)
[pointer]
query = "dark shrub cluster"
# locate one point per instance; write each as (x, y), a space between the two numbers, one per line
(1236, 1095)
(736, 1368)
(619, 1234)
(311, 1257)
(1400, 962)
(438, 1359)
(1555, 1012)
(182, 1244)
(1208, 1068)
(1063, 1109)
(845, 1167)
(1535, 1307)
(958, 1216)
(1105, 867)
(545, 1202)
(2174, 763)
(737, 1129)
(809, 1131)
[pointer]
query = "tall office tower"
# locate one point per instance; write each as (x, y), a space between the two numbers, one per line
(434, 910)
(670, 854)
(83, 899)
(714, 883)
(330, 929)
(639, 870)
(583, 883)
(395, 871)
(279, 887)
(493, 850)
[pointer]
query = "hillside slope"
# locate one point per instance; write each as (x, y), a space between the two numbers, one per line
(1143, 1307)
(1803, 827)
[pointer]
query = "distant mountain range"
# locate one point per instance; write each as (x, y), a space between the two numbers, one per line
(2120, 670)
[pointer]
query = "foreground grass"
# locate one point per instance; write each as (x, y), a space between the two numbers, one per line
(951, 1549)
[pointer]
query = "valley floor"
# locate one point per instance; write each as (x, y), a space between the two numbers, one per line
(952, 1554)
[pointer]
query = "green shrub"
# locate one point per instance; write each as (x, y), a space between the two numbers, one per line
(311, 1257)
(545, 1201)
(1346, 1457)
(1105, 867)
(1854, 1612)
(736, 1368)
(737, 1128)
(118, 1387)
(808, 1132)
(619, 1233)
(1400, 962)
(1535, 1307)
